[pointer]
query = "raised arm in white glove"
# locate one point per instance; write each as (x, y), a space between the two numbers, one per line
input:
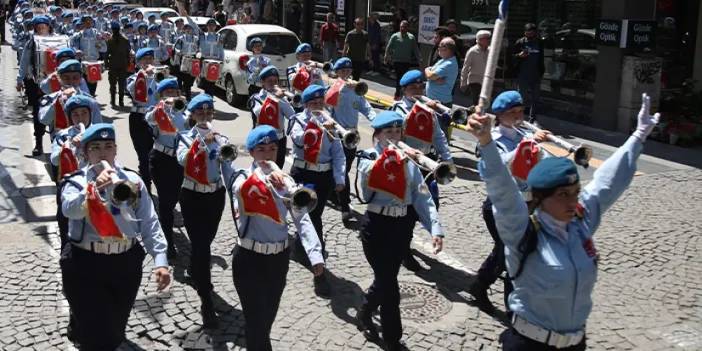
(646, 120)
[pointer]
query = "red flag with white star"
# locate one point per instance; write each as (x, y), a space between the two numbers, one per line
(256, 199)
(196, 163)
(212, 74)
(68, 162)
(94, 72)
(525, 158)
(60, 118)
(331, 98)
(195, 68)
(141, 93)
(99, 216)
(388, 174)
(164, 123)
(270, 112)
(302, 79)
(312, 142)
(419, 123)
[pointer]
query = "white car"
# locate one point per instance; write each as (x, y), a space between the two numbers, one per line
(279, 45)
(148, 11)
(200, 21)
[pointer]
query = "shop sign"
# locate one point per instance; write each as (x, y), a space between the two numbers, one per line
(640, 34)
(608, 32)
(429, 17)
(340, 7)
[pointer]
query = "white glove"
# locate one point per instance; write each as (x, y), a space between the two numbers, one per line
(646, 120)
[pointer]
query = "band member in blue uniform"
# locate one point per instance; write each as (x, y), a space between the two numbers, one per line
(53, 82)
(89, 43)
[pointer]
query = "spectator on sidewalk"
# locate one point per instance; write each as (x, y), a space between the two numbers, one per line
(356, 48)
(473, 69)
(452, 26)
(328, 35)
(403, 53)
(441, 78)
(439, 34)
(375, 40)
(528, 53)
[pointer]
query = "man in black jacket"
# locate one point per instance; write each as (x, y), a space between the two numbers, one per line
(528, 55)
(116, 61)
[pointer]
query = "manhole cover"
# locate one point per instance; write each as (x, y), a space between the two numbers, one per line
(422, 303)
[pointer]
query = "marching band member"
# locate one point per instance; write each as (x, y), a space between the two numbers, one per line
(66, 27)
(166, 121)
(272, 108)
(202, 197)
(52, 112)
(255, 65)
(210, 46)
(551, 256)
(397, 197)
(28, 78)
(261, 257)
(142, 88)
(509, 109)
(154, 41)
(114, 17)
(138, 20)
(52, 83)
(101, 23)
(186, 46)
(102, 267)
(55, 13)
(88, 43)
(21, 36)
(301, 75)
(140, 36)
(423, 134)
(319, 161)
(346, 113)
(165, 28)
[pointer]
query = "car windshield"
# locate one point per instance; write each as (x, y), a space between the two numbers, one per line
(277, 44)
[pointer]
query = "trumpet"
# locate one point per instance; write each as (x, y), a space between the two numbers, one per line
(326, 66)
(460, 116)
(444, 172)
(294, 99)
(227, 151)
(349, 137)
(360, 88)
(123, 191)
(178, 104)
(581, 153)
(161, 73)
(301, 198)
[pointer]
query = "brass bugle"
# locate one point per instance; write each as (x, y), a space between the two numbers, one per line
(444, 172)
(326, 66)
(360, 88)
(227, 151)
(179, 104)
(581, 153)
(302, 199)
(459, 116)
(349, 137)
(161, 73)
(122, 190)
(294, 99)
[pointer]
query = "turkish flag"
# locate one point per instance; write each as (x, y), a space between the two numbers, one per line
(256, 199)
(99, 216)
(419, 123)
(94, 72)
(60, 118)
(164, 123)
(302, 79)
(54, 83)
(312, 142)
(212, 74)
(68, 163)
(525, 158)
(51, 63)
(196, 163)
(388, 174)
(331, 98)
(270, 112)
(195, 68)
(141, 93)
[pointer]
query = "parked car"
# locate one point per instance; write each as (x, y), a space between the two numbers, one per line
(148, 11)
(279, 45)
(200, 21)
(469, 29)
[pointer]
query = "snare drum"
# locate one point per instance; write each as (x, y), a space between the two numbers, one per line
(212, 69)
(93, 71)
(186, 64)
(46, 46)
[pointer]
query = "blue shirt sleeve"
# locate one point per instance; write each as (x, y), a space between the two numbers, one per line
(338, 162)
(150, 228)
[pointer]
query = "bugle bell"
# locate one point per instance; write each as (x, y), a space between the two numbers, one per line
(123, 191)
(301, 199)
(179, 104)
(161, 73)
(294, 99)
(326, 66)
(459, 116)
(581, 153)
(350, 138)
(444, 172)
(360, 88)
(227, 151)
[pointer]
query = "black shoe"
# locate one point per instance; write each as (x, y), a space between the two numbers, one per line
(112, 100)
(121, 102)
(38, 149)
(209, 317)
(364, 318)
(479, 293)
(346, 216)
(411, 263)
(172, 253)
(321, 286)
(395, 346)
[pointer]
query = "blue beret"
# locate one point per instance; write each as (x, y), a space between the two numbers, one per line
(69, 66)
(114, 25)
(114, 11)
(86, 17)
(77, 22)
(255, 40)
(98, 131)
(211, 21)
(506, 100)
(128, 25)
(67, 15)
(153, 15)
(142, 25)
(188, 25)
(552, 172)
(262, 134)
(342, 63)
(26, 11)
(100, 10)
(267, 72)
(76, 101)
(169, 83)
(153, 28)
(141, 53)
(91, 7)
(53, 8)
(302, 48)
(179, 19)
(312, 92)
(387, 119)
(134, 11)
(412, 77)
(65, 52)
(201, 101)
(41, 20)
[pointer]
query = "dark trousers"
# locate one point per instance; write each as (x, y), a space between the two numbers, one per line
(357, 68)
(511, 340)
(167, 175)
(92, 87)
(259, 281)
(100, 290)
(474, 91)
(60, 218)
(494, 264)
(400, 69)
(143, 142)
(323, 184)
(375, 56)
(186, 83)
(345, 195)
(445, 121)
(530, 89)
(201, 215)
(118, 83)
(253, 89)
(34, 94)
(2, 26)
(386, 241)
(282, 151)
